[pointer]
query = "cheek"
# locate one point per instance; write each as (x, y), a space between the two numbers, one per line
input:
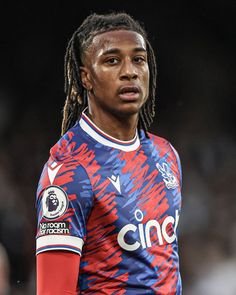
(145, 78)
(101, 79)
(147, 73)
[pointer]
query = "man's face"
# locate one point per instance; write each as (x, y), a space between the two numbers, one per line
(117, 73)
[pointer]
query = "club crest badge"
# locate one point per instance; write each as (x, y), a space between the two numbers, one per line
(54, 202)
(169, 178)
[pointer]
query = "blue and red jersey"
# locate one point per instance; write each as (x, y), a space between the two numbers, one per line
(117, 204)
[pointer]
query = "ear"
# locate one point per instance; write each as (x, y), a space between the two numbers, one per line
(85, 78)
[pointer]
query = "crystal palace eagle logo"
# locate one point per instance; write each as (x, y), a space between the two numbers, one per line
(168, 177)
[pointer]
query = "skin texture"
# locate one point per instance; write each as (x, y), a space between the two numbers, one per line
(114, 60)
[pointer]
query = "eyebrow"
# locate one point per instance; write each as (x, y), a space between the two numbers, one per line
(117, 50)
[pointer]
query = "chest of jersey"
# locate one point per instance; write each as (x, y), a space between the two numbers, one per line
(136, 199)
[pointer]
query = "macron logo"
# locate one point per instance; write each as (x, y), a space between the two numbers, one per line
(52, 171)
(115, 180)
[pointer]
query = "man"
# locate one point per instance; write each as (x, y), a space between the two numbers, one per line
(109, 197)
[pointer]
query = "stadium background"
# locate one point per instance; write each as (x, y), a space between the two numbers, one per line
(195, 46)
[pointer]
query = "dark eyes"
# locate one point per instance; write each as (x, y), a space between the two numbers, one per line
(116, 60)
(139, 59)
(112, 61)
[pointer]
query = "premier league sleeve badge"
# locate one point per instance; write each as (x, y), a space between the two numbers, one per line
(54, 202)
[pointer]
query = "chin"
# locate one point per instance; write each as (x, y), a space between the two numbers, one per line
(123, 110)
(128, 109)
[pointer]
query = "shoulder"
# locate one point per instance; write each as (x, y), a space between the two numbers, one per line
(167, 152)
(66, 174)
(162, 144)
(164, 147)
(157, 140)
(63, 168)
(67, 145)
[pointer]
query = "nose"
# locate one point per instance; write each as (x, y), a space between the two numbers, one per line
(128, 71)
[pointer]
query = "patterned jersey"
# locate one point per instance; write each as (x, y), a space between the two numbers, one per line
(117, 204)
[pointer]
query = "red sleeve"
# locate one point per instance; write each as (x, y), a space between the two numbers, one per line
(57, 273)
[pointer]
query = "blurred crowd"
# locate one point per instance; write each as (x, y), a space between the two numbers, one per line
(194, 112)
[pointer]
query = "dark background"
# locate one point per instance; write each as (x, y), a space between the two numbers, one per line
(195, 43)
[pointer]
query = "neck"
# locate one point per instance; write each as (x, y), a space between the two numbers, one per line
(122, 128)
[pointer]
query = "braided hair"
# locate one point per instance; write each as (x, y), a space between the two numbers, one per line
(76, 94)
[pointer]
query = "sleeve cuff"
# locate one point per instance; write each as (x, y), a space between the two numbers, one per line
(57, 242)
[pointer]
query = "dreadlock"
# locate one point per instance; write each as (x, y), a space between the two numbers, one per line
(76, 94)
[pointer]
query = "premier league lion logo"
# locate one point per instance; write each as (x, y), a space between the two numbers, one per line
(52, 201)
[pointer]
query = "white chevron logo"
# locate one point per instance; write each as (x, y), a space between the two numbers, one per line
(115, 180)
(53, 172)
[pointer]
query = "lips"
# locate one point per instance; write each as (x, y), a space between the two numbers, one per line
(129, 92)
(128, 89)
